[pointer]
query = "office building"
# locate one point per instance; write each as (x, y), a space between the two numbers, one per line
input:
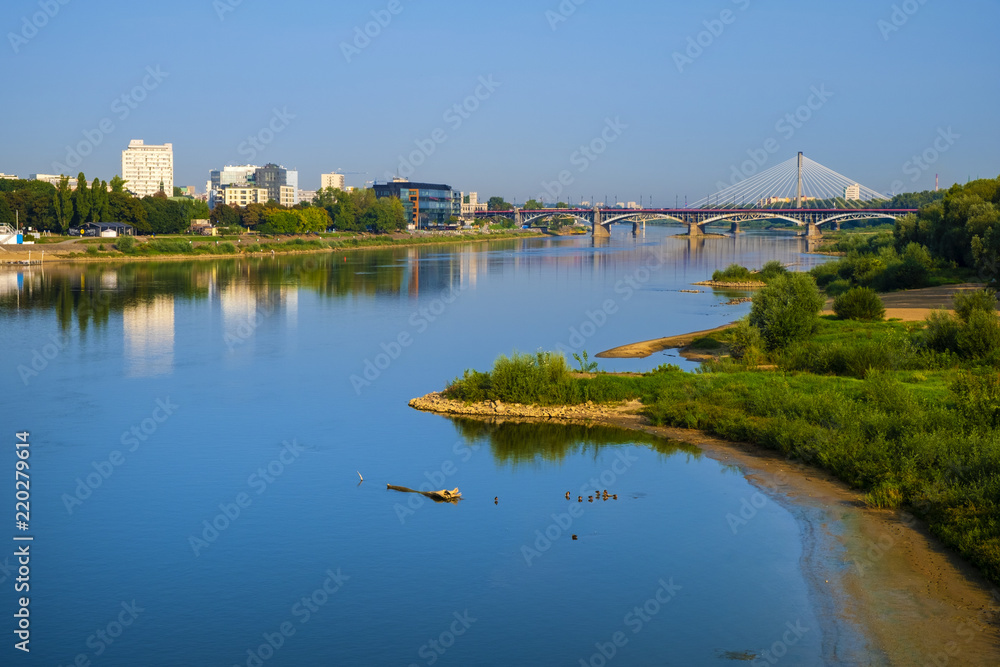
(426, 204)
(852, 192)
(148, 169)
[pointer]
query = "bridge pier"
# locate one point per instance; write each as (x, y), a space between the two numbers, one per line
(735, 229)
(812, 230)
(694, 230)
(599, 230)
(836, 225)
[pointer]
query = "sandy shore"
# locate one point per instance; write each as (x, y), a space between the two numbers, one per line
(909, 306)
(875, 572)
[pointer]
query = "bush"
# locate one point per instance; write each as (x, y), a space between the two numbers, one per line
(977, 398)
(746, 344)
(859, 303)
(786, 310)
(91, 250)
(125, 244)
(941, 331)
(734, 273)
(980, 335)
(226, 248)
(838, 287)
(966, 303)
(772, 270)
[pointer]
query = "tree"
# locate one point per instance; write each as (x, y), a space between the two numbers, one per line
(81, 201)
(533, 205)
(562, 204)
(224, 215)
(98, 200)
(63, 203)
(326, 197)
(498, 204)
(786, 310)
(385, 215)
(117, 184)
(178, 191)
(123, 207)
(6, 214)
(165, 216)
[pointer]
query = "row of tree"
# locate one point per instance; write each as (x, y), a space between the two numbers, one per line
(56, 208)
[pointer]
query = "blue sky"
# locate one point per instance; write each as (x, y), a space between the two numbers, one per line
(663, 115)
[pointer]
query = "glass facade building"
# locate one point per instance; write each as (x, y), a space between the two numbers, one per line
(426, 204)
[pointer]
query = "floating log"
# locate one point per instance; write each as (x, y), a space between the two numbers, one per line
(443, 496)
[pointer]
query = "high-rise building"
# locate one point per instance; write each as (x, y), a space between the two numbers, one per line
(852, 192)
(426, 204)
(333, 180)
(220, 179)
(273, 176)
(147, 169)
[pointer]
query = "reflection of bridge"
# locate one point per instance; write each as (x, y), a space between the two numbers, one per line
(697, 219)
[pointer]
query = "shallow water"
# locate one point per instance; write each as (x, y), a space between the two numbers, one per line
(197, 431)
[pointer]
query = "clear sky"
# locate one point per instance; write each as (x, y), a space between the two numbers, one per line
(672, 98)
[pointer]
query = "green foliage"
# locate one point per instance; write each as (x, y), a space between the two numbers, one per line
(746, 343)
(226, 248)
(772, 270)
(941, 331)
(586, 366)
(967, 302)
(125, 244)
(859, 303)
(734, 273)
(786, 310)
(977, 398)
(498, 204)
(838, 287)
(979, 336)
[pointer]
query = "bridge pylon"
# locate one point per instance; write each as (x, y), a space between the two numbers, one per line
(599, 230)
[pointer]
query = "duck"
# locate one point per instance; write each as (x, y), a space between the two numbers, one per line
(567, 495)
(496, 500)
(579, 499)
(590, 499)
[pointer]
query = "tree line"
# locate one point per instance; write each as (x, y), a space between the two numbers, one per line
(57, 208)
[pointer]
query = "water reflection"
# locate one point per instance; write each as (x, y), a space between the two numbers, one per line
(514, 443)
(149, 337)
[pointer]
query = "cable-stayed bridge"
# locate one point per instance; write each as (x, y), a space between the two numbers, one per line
(780, 193)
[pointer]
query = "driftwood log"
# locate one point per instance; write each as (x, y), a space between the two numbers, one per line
(443, 496)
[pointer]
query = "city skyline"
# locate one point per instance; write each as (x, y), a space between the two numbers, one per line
(580, 98)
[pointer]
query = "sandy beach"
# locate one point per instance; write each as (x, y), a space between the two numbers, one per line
(877, 572)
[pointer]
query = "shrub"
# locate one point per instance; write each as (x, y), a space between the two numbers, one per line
(859, 303)
(838, 287)
(967, 302)
(772, 270)
(226, 248)
(125, 244)
(734, 273)
(746, 343)
(941, 331)
(826, 273)
(786, 310)
(91, 250)
(980, 335)
(977, 398)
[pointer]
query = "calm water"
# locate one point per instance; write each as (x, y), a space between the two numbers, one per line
(196, 429)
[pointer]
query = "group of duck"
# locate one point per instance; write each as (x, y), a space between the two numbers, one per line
(590, 499)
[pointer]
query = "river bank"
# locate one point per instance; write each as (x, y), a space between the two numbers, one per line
(74, 250)
(877, 570)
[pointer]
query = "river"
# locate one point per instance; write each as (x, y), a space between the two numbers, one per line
(197, 432)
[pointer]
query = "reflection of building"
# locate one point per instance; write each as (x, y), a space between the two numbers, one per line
(149, 337)
(148, 169)
(426, 204)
